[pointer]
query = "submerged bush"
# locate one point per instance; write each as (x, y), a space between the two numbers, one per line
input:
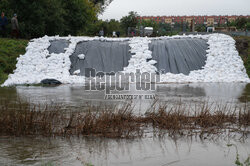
(24, 119)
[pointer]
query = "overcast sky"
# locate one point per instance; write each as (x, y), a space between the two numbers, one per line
(119, 8)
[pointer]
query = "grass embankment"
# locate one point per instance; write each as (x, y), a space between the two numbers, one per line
(10, 49)
(243, 46)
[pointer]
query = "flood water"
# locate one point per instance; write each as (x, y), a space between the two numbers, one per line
(235, 94)
(138, 152)
(149, 150)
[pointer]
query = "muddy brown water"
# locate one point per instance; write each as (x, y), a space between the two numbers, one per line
(149, 150)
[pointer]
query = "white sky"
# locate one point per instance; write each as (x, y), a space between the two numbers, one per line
(120, 8)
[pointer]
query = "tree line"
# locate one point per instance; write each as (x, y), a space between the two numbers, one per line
(80, 17)
(53, 17)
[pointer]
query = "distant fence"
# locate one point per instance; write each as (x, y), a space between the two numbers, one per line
(242, 33)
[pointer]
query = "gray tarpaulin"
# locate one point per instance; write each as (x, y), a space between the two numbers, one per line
(103, 56)
(179, 55)
(58, 46)
(172, 55)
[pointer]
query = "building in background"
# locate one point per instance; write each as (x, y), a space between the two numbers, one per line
(208, 21)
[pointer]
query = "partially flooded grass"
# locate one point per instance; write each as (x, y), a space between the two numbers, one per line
(24, 119)
(202, 121)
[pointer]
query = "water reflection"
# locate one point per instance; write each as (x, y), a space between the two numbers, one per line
(77, 96)
(139, 152)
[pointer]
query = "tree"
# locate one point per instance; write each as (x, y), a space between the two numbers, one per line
(248, 26)
(107, 26)
(200, 28)
(51, 17)
(165, 26)
(78, 15)
(38, 18)
(241, 23)
(129, 21)
(181, 27)
(101, 4)
(113, 25)
(231, 24)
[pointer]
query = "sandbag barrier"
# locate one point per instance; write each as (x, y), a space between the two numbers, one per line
(192, 58)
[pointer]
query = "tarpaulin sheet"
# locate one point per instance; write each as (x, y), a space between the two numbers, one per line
(58, 46)
(104, 56)
(179, 55)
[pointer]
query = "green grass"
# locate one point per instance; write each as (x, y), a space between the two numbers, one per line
(243, 46)
(10, 49)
